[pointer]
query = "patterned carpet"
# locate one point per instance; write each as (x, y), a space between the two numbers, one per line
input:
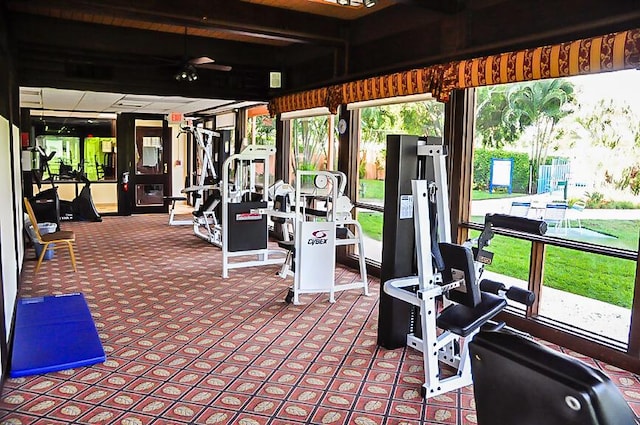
(185, 346)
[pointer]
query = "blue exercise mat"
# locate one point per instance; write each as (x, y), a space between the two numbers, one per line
(54, 333)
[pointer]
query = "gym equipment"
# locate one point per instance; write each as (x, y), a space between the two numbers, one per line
(318, 232)
(447, 295)
(54, 333)
(206, 191)
(283, 196)
(240, 231)
(467, 305)
(172, 211)
(518, 381)
(403, 164)
(244, 231)
(49, 207)
(82, 207)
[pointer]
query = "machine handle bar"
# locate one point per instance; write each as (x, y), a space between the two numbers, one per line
(520, 295)
(520, 224)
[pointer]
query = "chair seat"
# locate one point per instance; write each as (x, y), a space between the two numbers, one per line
(463, 320)
(174, 198)
(61, 235)
(288, 245)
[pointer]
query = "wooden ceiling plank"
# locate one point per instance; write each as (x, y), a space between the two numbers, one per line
(283, 25)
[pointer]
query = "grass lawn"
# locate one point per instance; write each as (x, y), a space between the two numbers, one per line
(371, 189)
(374, 189)
(371, 223)
(595, 276)
(625, 232)
(478, 195)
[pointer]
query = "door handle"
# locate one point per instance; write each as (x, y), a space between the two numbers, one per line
(165, 168)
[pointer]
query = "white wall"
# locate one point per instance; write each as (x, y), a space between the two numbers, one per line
(17, 172)
(178, 159)
(8, 222)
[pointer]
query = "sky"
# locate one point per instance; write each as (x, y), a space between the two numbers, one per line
(619, 85)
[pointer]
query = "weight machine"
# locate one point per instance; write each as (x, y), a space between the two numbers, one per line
(448, 303)
(206, 192)
(244, 230)
(516, 380)
(322, 221)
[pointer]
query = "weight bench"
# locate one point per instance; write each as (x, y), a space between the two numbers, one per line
(518, 381)
(172, 210)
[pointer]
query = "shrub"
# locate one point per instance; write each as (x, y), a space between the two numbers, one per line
(482, 168)
(595, 200)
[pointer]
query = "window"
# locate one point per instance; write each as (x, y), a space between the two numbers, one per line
(262, 130)
(566, 152)
(100, 158)
(424, 118)
(64, 156)
(313, 144)
(78, 145)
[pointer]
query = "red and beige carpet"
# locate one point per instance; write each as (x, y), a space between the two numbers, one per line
(185, 346)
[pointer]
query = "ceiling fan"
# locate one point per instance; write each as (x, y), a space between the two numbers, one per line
(187, 70)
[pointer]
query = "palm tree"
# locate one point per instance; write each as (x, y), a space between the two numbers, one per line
(492, 130)
(539, 105)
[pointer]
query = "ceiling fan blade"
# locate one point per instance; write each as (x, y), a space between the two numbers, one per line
(202, 60)
(215, 67)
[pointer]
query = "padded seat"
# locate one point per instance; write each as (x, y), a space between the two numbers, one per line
(175, 198)
(288, 245)
(519, 381)
(208, 205)
(56, 236)
(463, 320)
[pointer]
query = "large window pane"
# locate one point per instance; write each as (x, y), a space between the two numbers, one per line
(424, 118)
(262, 130)
(564, 151)
(66, 156)
(313, 144)
(100, 158)
(588, 291)
(371, 223)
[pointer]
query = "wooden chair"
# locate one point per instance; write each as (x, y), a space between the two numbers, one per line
(60, 238)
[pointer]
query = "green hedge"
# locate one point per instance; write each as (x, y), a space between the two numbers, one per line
(482, 168)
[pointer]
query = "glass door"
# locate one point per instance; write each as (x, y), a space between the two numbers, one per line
(151, 176)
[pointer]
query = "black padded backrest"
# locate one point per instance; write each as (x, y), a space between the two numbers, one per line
(518, 381)
(459, 260)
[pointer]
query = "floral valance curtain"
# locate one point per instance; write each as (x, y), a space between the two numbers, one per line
(609, 52)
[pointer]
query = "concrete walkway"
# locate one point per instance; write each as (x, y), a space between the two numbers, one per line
(503, 205)
(581, 312)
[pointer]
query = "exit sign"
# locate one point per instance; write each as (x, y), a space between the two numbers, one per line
(175, 117)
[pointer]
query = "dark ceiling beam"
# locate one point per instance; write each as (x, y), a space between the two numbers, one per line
(238, 18)
(97, 43)
(549, 21)
(211, 84)
(396, 20)
(467, 35)
(444, 6)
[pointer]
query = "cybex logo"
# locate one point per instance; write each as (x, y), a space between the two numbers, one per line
(319, 237)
